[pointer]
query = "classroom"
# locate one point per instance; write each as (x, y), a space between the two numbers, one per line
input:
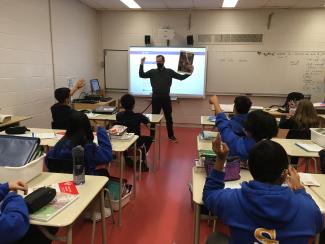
(262, 50)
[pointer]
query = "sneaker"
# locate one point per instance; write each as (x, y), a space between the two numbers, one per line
(173, 139)
(98, 215)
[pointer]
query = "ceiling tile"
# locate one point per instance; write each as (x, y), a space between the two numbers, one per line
(251, 3)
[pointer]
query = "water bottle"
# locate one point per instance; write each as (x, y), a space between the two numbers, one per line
(78, 157)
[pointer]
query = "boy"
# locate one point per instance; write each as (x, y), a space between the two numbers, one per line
(242, 105)
(263, 210)
(62, 110)
(133, 121)
(259, 125)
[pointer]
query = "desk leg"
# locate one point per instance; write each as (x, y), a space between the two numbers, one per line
(121, 182)
(197, 212)
(69, 235)
(135, 168)
(102, 210)
(156, 152)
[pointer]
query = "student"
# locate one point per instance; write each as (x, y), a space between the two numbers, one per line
(242, 105)
(259, 125)
(263, 210)
(14, 217)
(79, 133)
(62, 110)
(133, 121)
(304, 118)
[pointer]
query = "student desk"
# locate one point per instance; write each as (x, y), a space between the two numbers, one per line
(91, 106)
(154, 119)
(118, 146)
(94, 186)
(295, 151)
(205, 122)
(13, 121)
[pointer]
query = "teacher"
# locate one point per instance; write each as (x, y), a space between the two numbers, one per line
(161, 81)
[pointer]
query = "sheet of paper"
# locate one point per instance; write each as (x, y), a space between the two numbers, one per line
(308, 179)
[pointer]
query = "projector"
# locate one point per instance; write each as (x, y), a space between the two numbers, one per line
(166, 34)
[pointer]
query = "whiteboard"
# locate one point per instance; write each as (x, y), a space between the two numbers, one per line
(265, 72)
(116, 69)
(233, 72)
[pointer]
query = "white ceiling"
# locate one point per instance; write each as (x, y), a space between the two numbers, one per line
(204, 4)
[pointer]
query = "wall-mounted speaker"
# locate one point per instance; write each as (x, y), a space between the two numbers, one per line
(189, 40)
(147, 40)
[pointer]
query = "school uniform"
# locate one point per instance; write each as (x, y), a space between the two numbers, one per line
(14, 217)
(94, 154)
(261, 212)
(237, 123)
(238, 145)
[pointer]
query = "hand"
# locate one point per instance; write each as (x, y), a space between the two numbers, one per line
(214, 100)
(293, 179)
(80, 83)
(18, 185)
(143, 60)
(220, 148)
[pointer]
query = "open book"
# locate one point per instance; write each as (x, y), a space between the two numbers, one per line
(4, 118)
(66, 193)
(208, 135)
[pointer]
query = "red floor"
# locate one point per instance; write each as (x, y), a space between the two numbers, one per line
(161, 212)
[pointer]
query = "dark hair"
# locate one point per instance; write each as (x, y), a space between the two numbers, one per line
(161, 56)
(267, 160)
(242, 104)
(61, 94)
(293, 96)
(79, 129)
(261, 125)
(127, 101)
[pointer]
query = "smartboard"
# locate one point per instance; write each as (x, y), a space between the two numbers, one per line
(193, 86)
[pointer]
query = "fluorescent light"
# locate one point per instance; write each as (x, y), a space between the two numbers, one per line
(229, 3)
(130, 3)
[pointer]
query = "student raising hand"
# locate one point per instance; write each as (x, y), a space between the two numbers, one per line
(293, 179)
(222, 150)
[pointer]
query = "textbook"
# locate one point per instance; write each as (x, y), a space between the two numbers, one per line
(185, 62)
(66, 193)
(4, 118)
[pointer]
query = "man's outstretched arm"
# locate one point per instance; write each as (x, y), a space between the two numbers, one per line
(143, 74)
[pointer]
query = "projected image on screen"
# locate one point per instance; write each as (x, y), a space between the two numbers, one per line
(193, 86)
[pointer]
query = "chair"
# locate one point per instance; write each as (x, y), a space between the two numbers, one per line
(57, 165)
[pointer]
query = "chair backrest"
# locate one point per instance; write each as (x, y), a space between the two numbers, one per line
(298, 134)
(57, 165)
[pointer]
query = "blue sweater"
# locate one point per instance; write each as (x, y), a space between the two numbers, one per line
(237, 124)
(14, 219)
(238, 145)
(94, 154)
(260, 211)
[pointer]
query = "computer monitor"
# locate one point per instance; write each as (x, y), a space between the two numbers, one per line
(95, 87)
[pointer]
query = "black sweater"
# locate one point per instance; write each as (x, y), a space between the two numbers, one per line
(161, 80)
